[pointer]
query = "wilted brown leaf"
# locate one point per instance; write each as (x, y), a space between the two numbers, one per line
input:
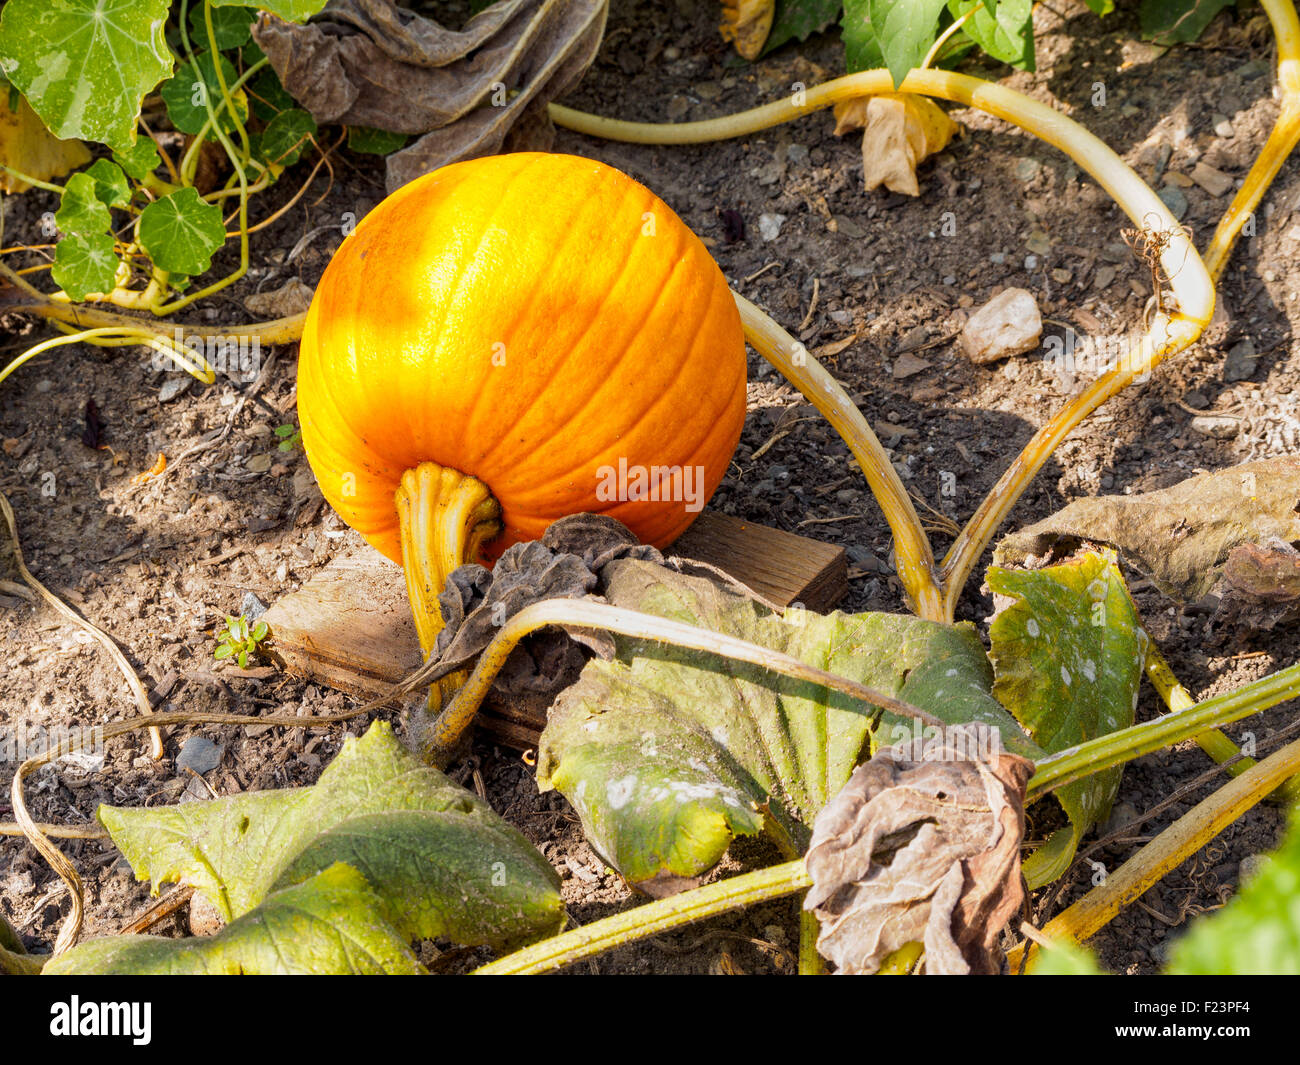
(922, 845)
(900, 131)
(470, 93)
(28, 147)
(1180, 536)
(747, 23)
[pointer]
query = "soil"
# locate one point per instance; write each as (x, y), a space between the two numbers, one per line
(160, 564)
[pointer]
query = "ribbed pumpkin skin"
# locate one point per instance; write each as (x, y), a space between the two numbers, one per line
(615, 343)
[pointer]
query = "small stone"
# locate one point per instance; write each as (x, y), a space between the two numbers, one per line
(1223, 128)
(1181, 180)
(1038, 242)
(258, 463)
(672, 53)
(677, 107)
(1196, 400)
(1216, 426)
(199, 754)
(176, 385)
(1031, 262)
(796, 155)
(1009, 324)
(251, 607)
(1121, 815)
(1240, 363)
(853, 231)
(1116, 252)
(914, 338)
(769, 226)
(927, 394)
(1027, 169)
(909, 365)
(1103, 278)
(1256, 68)
(1062, 277)
(1175, 199)
(1213, 181)
(997, 258)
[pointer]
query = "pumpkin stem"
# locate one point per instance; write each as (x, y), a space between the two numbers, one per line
(445, 518)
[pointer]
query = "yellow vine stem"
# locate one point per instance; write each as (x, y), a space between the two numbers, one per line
(1282, 138)
(1180, 263)
(586, 614)
(1169, 850)
(117, 336)
(1213, 742)
(35, 833)
(916, 568)
(98, 634)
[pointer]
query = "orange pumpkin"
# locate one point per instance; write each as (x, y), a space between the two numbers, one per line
(495, 342)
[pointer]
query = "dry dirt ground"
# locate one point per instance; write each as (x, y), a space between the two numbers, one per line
(159, 565)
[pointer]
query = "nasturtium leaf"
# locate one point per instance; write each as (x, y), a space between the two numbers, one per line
(80, 210)
(268, 96)
(667, 753)
(111, 187)
(1178, 21)
(905, 30)
(187, 92)
(861, 46)
(439, 860)
(141, 159)
(327, 925)
(1256, 933)
(180, 232)
(28, 147)
(375, 141)
(286, 135)
(799, 19)
(1005, 30)
(1068, 655)
(85, 65)
(232, 26)
(85, 263)
(289, 10)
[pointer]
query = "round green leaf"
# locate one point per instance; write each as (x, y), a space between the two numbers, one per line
(290, 10)
(80, 210)
(85, 263)
(180, 232)
(286, 135)
(186, 94)
(231, 25)
(140, 160)
(85, 65)
(111, 186)
(268, 96)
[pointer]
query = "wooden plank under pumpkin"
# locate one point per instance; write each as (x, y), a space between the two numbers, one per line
(350, 626)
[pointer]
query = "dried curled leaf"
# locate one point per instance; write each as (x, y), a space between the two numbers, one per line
(900, 131)
(470, 93)
(922, 845)
(747, 23)
(28, 147)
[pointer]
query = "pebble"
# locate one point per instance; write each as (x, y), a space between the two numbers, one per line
(909, 365)
(176, 384)
(677, 107)
(997, 258)
(769, 226)
(1213, 181)
(1121, 814)
(1175, 199)
(1256, 68)
(672, 53)
(1196, 400)
(199, 754)
(1038, 242)
(797, 155)
(258, 464)
(1223, 128)
(1031, 262)
(1027, 169)
(1062, 277)
(1216, 426)
(1240, 363)
(1103, 278)
(1009, 324)
(251, 607)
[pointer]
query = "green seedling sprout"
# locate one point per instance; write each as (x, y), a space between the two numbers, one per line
(238, 641)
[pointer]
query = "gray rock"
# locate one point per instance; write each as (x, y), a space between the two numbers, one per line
(1217, 426)
(1175, 199)
(1240, 363)
(1009, 324)
(177, 384)
(769, 226)
(199, 754)
(251, 607)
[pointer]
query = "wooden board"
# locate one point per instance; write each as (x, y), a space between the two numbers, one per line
(350, 626)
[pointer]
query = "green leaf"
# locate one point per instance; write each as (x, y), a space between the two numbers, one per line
(140, 160)
(187, 91)
(289, 10)
(268, 96)
(1004, 29)
(440, 861)
(1068, 655)
(224, 650)
(80, 210)
(231, 25)
(286, 135)
(861, 48)
(1258, 932)
(1178, 21)
(259, 633)
(85, 65)
(180, 232)
(799, 19)
(111, 187)
(327, 925)
(667, 753)
(85, 263)
(243, 659)
(375, 141)
(1064, 958)
(905, 30)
